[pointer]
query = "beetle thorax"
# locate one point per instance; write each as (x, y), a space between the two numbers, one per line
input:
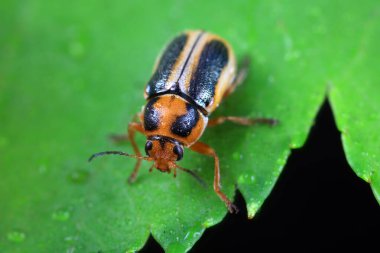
(174, 117)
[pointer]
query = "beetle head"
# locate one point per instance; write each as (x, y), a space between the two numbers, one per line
(164, 151)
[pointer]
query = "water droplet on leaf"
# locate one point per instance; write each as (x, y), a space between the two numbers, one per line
(196, 235)
(61, 215)
(16, 236)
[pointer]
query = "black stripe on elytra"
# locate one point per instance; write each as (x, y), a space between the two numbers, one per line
(189, 55)
(184, 124)
(165, 65)
(211, 63)
(151, 115)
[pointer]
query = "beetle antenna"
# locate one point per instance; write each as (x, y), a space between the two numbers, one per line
(200, 180)
(117, 153)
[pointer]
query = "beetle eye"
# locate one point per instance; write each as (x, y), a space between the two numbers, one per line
(148, 147)
(178, 150)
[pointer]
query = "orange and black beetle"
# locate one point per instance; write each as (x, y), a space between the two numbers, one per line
(191, 77)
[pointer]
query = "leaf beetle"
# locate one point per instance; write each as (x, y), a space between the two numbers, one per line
(195, 72)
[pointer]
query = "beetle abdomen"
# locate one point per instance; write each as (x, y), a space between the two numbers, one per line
(196, 65)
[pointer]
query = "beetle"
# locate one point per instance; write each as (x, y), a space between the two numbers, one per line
(195, 72)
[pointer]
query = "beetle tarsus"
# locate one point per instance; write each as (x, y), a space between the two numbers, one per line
(131, 180)
(273, 122)
(232, 208)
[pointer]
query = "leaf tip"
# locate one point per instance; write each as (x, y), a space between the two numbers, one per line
(252, 209)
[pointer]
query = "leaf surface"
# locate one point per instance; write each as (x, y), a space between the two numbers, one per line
(73, 73)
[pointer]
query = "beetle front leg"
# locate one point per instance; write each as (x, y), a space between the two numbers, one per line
(132, 128)
(242, 121)
(130, 136)
(204, 149)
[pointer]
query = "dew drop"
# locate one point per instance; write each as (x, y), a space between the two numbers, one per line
(243, 178)
(16, 236)
(268, 183)
(71, 238)
(196, 235)
(365, 154)
(61, 215)
(79, 176)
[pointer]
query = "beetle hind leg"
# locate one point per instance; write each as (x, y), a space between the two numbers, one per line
(204, 149)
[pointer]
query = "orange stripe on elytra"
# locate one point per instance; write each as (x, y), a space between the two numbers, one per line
(180, 63)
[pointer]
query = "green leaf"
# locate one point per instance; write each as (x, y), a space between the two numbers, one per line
(72, 73)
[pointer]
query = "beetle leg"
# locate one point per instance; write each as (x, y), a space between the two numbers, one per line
(151, 168)
(242, 121)
(240, 77)
(204, 149)
(132, 128)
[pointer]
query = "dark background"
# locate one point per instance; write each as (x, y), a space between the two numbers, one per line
(318, 204)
